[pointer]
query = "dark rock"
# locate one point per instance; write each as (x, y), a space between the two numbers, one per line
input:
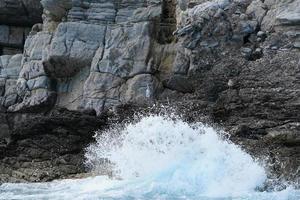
(257, 54)
(51, 145)
(20, 12)
(16, 19)
(180, 84)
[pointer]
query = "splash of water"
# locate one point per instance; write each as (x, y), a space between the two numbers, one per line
(178, 157)
(160, 158)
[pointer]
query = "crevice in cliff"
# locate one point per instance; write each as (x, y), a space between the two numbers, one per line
(117, 4)
(167, 24)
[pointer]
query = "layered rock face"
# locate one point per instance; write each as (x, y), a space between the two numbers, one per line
(16, 19)
(94, 54)
(87, 56)
(234, 60)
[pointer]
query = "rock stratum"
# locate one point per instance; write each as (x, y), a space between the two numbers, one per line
(65, 64)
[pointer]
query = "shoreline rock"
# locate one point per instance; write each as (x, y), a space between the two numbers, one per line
(45, 146)
(235, 62)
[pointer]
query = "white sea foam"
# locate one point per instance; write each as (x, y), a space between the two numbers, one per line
(161, 158)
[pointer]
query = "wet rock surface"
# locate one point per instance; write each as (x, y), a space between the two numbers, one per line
(45, 146)
(234, 61)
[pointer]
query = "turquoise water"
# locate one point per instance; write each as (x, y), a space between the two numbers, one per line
(161, 158)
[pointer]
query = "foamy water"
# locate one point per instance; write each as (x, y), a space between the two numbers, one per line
(161, 158)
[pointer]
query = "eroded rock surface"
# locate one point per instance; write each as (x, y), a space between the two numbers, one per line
(88, 54)
(234, 60)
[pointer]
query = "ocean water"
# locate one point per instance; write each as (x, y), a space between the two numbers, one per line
(160, 157)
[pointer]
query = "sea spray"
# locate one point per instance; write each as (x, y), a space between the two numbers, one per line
(165, 154)
(159, 157)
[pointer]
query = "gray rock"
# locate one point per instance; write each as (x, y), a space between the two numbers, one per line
(4, 34)
(183, 4)
(36, 46)
(13, 68)
(290, 15)
(4, 60)
(247, 52)
(281, 14)
(10, 87)
(73, 47)
(257, 9)
(261, 34)
(297, 44)
(127, 51)
(93, 12)
(57, 8)
(39, 82)
(9, 71)
(140, 89)
(10, 100)
(32, 69)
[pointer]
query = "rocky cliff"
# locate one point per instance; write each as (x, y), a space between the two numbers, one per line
(235, 61)
(16, 19)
